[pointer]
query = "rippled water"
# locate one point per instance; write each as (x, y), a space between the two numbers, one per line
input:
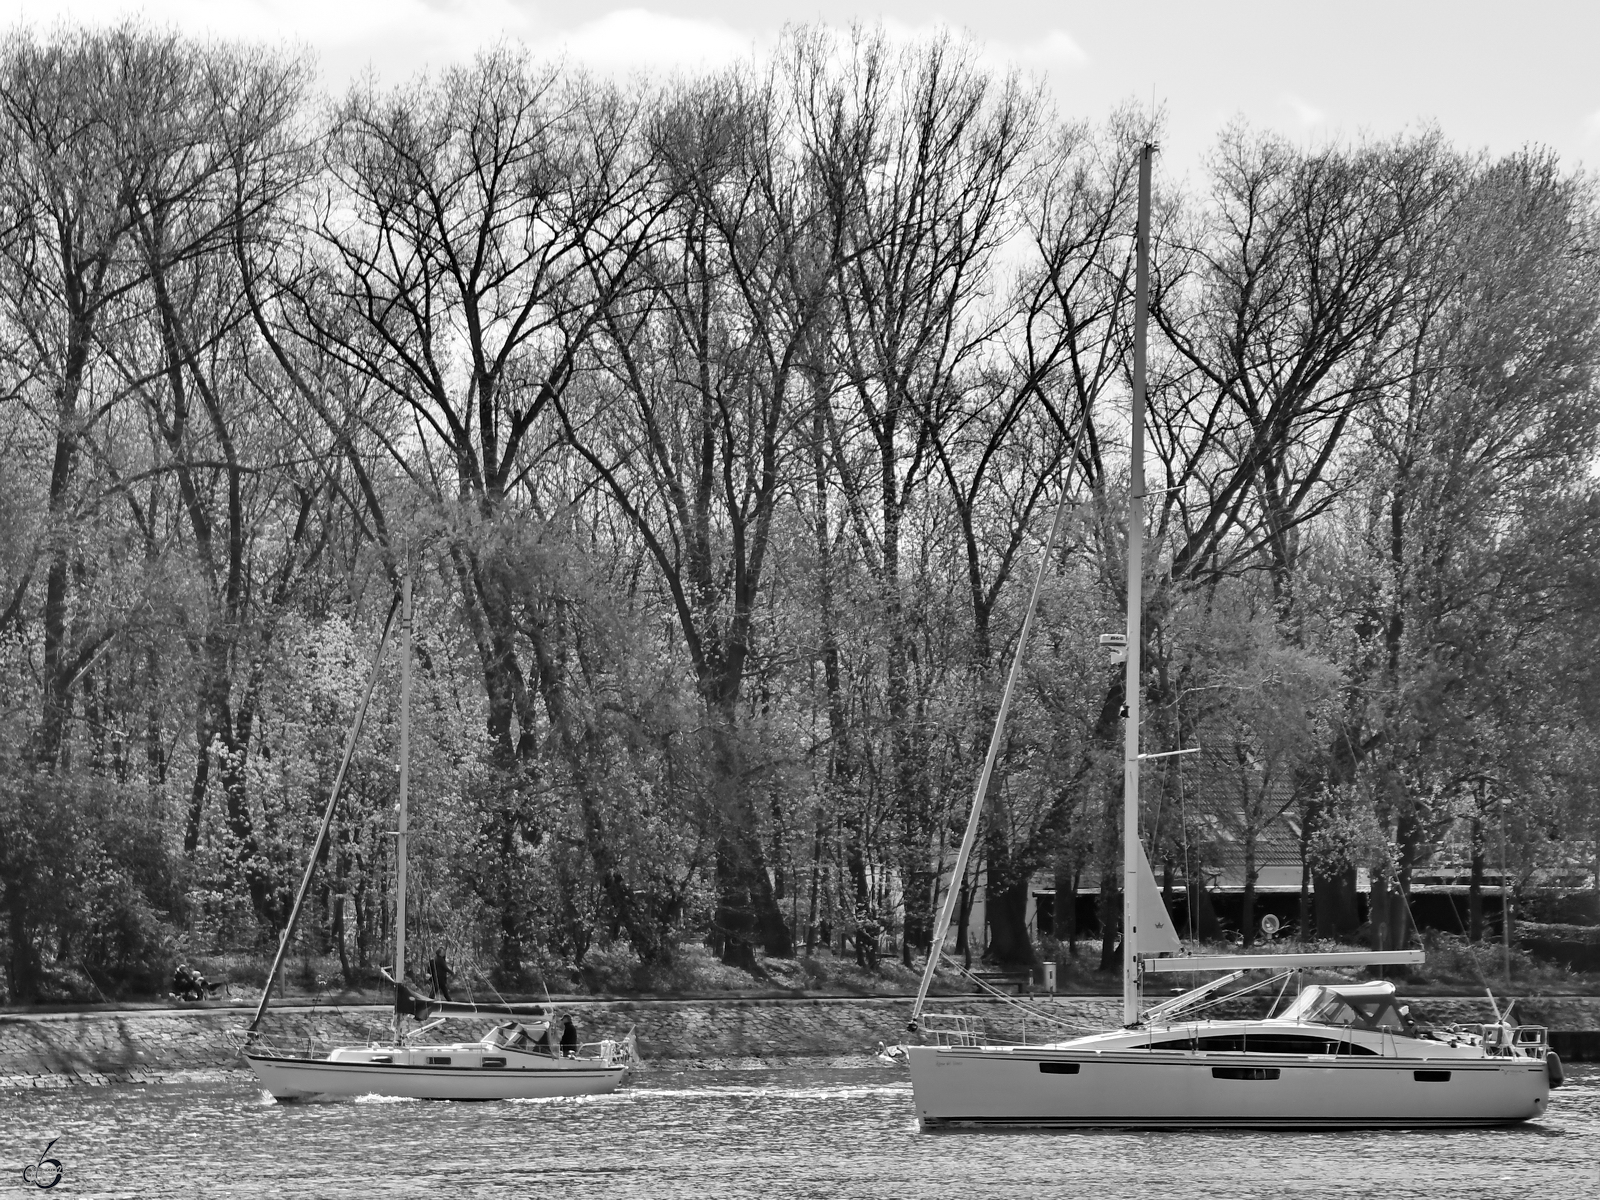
(770, 1134)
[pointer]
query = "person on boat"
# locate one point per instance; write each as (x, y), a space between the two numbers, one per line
(569, 1040)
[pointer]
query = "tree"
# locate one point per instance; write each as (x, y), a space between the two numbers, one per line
(80, 138)
(481, 225)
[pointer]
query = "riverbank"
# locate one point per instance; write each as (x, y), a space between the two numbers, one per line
(65, 1049)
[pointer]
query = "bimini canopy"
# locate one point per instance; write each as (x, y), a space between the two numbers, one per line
(1357, 1005)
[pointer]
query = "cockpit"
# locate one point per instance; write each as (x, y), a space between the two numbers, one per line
(513, 1035)
(1359, 1006)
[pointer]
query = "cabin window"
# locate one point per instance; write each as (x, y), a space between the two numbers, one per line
(1050, 1068)
(494, 1062)
(1431, 1076)
(1244, 1072)
(381, 1058)
(1264, 1043)
(438, 1060)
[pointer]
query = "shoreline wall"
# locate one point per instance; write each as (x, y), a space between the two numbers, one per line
(160, 1045)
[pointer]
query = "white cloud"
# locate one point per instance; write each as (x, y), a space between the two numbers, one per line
(634, 38)
(1307, 114)
(338, 23)
(1056, 49)
(1591, 125)
(401, 36)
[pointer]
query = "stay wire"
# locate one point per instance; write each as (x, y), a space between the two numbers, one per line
(1012, 1001)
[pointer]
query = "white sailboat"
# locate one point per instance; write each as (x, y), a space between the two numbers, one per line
(520, 1057)
(1340, 1056)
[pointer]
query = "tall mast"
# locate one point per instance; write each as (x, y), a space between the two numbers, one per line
(1131, 982)
(405, 784)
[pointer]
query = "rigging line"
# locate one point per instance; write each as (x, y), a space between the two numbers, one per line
(1029, 1010)
(1244, 991)
(545, 987)
(1012, 1001)
(327, 816)
(936, 942)
(1472, 950)
(1281, 991)
(498, 997)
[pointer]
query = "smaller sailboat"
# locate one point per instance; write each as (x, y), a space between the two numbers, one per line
(521, 1056)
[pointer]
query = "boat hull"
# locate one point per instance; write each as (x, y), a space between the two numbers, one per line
(288, 1078)
(1046, 1088)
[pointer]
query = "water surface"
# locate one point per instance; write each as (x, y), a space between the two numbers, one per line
(770, 1134)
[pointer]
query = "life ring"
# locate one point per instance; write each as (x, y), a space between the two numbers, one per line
(1552, 1064)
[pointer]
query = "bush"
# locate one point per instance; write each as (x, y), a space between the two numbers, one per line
(1562, 908)
(1576, 947)
(83, 883)
(126, 947)
(613, 968)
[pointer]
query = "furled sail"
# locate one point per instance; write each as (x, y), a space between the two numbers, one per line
(410, 1003)
(1157, 934)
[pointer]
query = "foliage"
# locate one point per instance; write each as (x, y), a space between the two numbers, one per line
(717, 424)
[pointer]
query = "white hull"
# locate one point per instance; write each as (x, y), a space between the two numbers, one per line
(302, 1078)
(1044, 1087)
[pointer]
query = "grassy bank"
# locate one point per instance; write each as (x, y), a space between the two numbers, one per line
(1454, 967)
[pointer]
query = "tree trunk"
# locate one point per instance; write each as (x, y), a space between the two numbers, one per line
(1333, 898)
(341, 875)
(1064, 914)
(1109, 909)
(1247, 910)
(1203, 919)
(1475, 891)
(58, 667)
(1303, 923)
(1390, 929)
(23, 967)
(1007, 912)
(816, 886)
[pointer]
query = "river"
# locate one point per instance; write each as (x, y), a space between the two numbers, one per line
(771, 1134)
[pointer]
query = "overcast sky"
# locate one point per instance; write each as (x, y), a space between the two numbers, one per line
(1493, 76)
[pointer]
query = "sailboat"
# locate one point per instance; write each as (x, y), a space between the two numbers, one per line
(521, 1055)
(1343, 1055)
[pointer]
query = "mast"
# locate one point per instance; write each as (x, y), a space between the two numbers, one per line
(1131, 980)
(405, 782)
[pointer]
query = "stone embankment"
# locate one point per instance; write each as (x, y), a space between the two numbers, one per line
(164, 1045)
